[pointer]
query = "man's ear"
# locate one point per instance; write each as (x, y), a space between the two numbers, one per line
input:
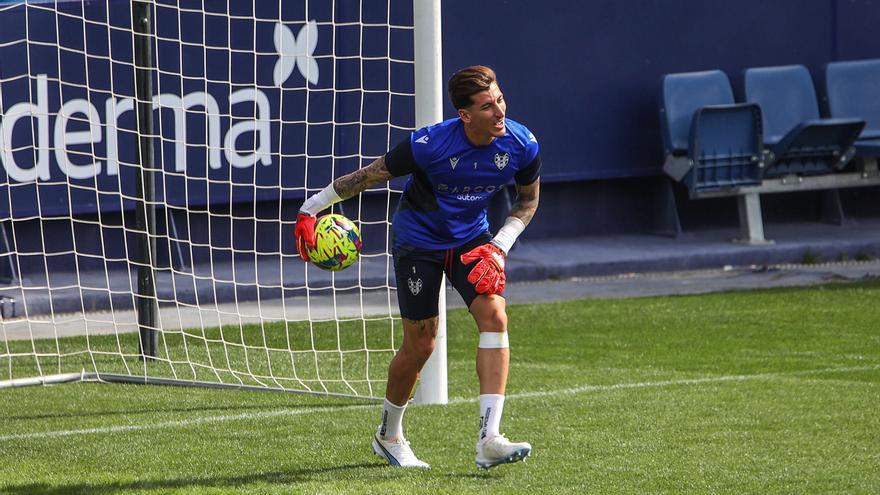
(464, 115)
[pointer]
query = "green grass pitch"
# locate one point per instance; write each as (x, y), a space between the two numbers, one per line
(771, 391)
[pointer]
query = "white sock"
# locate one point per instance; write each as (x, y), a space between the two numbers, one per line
(491, 407)
(392, 421)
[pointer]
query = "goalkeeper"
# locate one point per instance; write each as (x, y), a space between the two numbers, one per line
(440, 226)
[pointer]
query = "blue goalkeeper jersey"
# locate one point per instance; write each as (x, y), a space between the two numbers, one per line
(451, 181)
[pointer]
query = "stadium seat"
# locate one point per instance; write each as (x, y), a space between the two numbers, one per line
(853, 91)
(710, 142)
(799, 142)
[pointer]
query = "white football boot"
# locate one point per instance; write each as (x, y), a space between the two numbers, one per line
(397, 452)
(497, 449)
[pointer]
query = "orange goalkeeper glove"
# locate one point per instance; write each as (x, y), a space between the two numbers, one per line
(488, 274)
(304, 233)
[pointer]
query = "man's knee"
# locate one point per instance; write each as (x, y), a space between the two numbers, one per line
(492, 319)
(496, 321)
(419, 337)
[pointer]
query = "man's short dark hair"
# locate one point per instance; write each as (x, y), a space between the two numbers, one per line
(468, 82)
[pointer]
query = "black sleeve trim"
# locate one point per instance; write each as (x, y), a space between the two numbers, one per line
(530, 172)
(400, 160)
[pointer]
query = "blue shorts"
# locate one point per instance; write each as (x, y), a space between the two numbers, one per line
(419, 273)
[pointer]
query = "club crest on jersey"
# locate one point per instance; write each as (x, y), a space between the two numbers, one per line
(415, 286)
(453, 161)
(501, 160)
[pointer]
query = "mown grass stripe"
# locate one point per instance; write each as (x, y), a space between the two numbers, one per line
(452, 401)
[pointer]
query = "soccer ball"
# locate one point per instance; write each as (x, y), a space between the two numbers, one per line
(337, 243)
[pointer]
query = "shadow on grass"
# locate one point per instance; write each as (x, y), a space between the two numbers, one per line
(276, 478)
(482, 474)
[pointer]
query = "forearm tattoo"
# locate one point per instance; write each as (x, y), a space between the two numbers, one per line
(526, 202)
(362, 179)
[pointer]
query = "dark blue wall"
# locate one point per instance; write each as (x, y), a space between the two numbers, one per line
(584, 75)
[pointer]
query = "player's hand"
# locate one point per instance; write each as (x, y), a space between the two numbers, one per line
(488, 274)
(304, 233)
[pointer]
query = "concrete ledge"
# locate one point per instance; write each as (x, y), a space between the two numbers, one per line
(530, 260)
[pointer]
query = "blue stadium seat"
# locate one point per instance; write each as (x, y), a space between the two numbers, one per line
(710, 142)
(798, 140)
(853, 91)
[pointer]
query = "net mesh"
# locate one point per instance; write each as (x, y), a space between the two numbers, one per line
(255, 105)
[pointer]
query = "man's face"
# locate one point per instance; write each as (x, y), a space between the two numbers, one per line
(485, 116)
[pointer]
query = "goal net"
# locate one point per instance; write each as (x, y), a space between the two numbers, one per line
(255, 104)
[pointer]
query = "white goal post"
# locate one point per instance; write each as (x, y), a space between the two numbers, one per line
(433, 388)
(149, 239)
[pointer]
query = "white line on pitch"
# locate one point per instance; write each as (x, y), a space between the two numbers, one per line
(690, 381)
(453, 401)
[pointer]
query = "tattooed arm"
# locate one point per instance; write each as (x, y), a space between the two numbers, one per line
(521, 214)
(526, 202)
(342, 188)
(358, 181)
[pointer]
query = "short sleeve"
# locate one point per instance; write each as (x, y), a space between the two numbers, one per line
(400, 160)
(530, 172)
(532, 157)
(422, 146)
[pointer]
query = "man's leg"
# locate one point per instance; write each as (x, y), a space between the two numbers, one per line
(493, 362)
(417, 346)
(418, 281)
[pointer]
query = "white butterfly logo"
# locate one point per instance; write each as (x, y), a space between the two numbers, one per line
(296, 51)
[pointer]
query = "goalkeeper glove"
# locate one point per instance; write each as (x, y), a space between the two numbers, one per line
(488, 274)
(304, 233)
